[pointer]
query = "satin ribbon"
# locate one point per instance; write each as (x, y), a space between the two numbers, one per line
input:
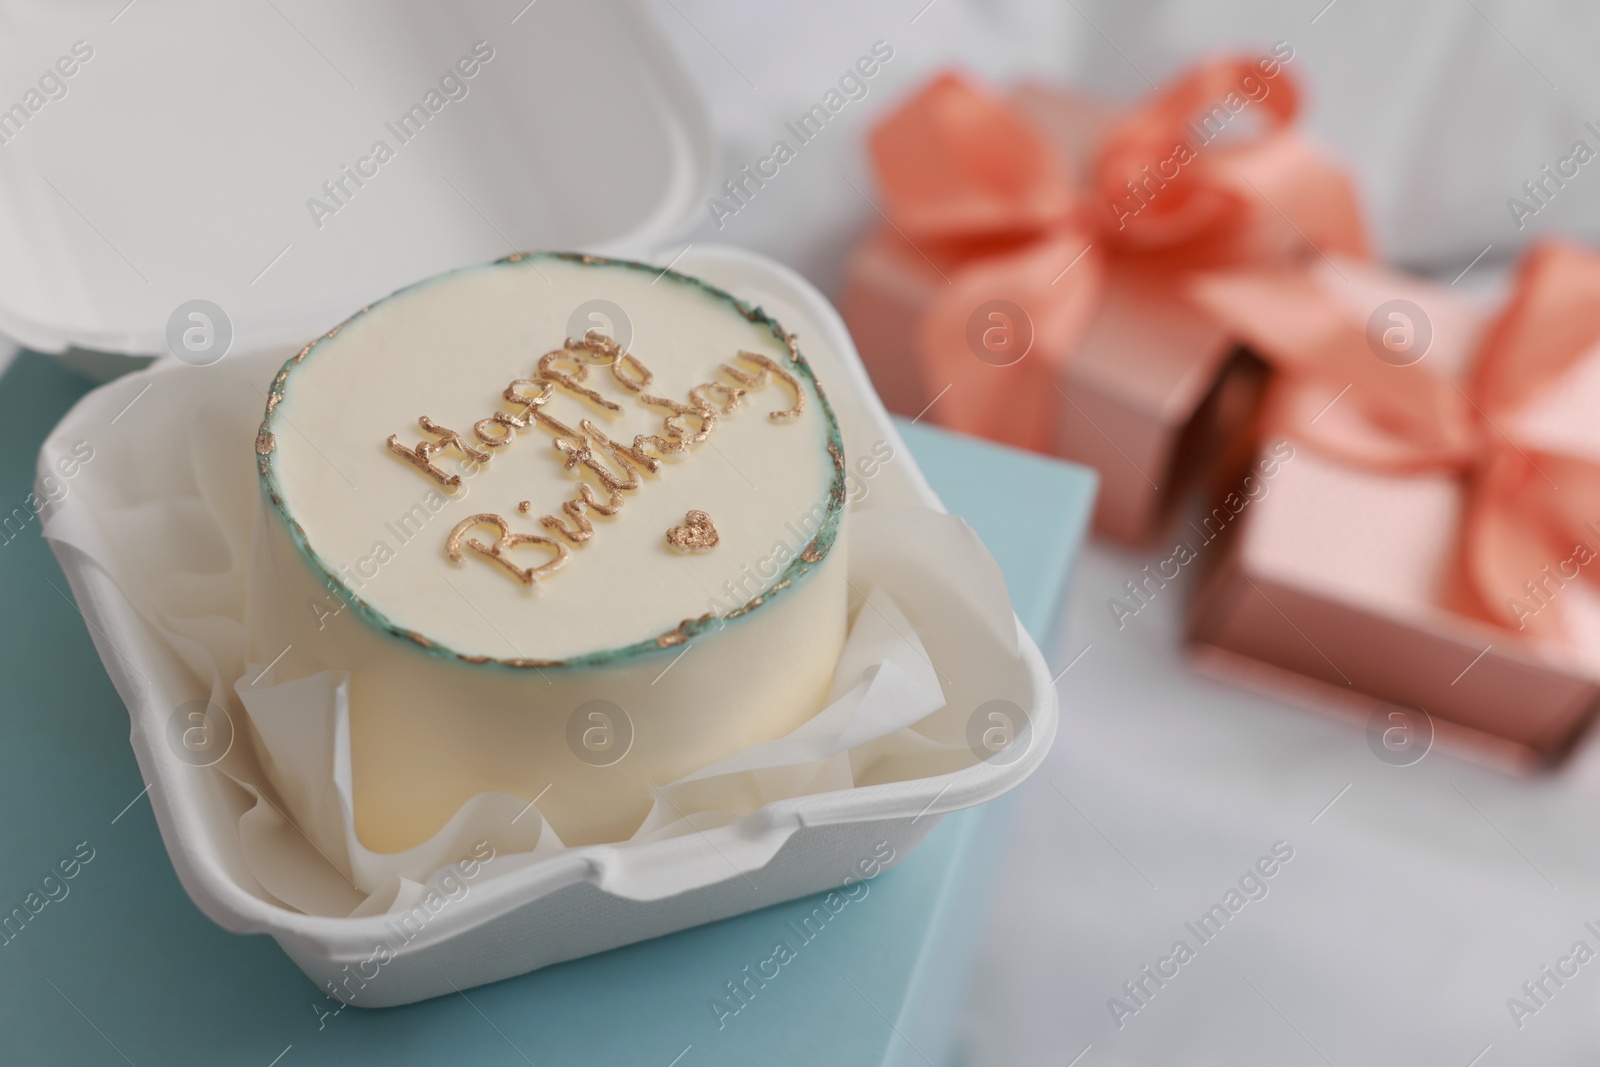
(979, 190)
(1525, 508)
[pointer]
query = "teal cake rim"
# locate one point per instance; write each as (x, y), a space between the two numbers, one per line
(804, 562)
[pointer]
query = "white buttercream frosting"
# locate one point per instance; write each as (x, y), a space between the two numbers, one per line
(464, 679)
(447, 349)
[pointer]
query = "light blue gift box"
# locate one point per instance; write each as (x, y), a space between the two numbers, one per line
(114, 965)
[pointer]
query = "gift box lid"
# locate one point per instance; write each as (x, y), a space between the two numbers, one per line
(292, 161)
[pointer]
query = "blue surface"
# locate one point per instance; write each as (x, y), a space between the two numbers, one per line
(124, 969)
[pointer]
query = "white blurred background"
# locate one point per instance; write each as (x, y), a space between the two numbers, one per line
(1424, 896)
(1443, 108)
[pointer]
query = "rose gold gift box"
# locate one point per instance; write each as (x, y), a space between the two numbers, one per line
(1155, 395)
(1340, 587)
(1152, 395)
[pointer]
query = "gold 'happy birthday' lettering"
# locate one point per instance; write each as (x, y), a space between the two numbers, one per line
(613, 467)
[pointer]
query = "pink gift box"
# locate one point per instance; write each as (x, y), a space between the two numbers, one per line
(1153, 395)
(986, 198)
(1342, 586)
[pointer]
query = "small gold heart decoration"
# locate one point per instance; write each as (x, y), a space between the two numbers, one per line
(696, 534)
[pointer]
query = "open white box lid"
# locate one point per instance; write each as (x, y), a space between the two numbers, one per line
(180, 162)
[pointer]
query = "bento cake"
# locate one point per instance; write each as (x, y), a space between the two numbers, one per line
(494, 510)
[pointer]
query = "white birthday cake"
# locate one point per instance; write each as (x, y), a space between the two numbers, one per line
(569, 526)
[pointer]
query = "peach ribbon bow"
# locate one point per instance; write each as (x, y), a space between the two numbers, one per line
(1525, 507)
(979, 189)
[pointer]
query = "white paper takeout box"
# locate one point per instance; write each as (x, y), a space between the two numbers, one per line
(591, 898)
